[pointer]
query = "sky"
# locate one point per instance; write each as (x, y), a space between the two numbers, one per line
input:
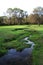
(27, 5)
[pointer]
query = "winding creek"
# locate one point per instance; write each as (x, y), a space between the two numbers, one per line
(14, 57)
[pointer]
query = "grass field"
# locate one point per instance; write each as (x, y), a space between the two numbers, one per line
(11, 36)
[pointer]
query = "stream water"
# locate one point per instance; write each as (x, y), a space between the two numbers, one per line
(14, 57)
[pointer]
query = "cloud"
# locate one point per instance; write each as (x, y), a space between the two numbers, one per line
(23, 4)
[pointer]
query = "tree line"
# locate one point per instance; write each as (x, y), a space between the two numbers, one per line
(18, 16)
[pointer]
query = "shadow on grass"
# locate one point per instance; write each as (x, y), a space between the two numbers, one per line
(18, 29)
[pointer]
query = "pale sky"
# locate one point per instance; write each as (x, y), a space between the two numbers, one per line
(27, 5)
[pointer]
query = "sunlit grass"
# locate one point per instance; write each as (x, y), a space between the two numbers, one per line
(11, 37)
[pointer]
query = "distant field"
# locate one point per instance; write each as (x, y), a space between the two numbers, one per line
(11, 36)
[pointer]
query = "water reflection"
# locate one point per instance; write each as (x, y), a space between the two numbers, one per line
(29, 42)
(14, 57)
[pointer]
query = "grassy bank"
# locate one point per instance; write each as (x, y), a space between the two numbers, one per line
(38, 51)
(11, 37)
